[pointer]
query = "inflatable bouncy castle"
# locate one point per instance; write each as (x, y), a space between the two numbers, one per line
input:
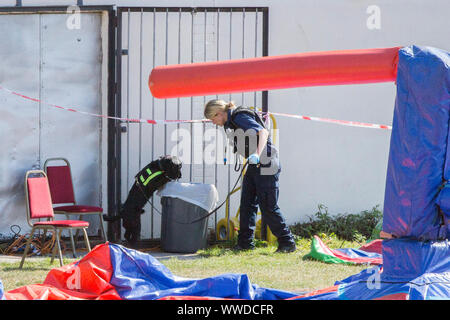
(415, 257)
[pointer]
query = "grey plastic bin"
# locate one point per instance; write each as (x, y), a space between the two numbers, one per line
(177, 235)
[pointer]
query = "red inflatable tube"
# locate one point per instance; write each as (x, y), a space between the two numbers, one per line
(275, 72)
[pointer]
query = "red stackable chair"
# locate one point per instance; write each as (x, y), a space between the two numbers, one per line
(62, 191)
(39, 206)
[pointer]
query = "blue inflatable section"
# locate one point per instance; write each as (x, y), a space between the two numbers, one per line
(413, 270)
(416, 264)
(1, 291)
(418, 148)
(405, 259)
(139, 276)
(367, 286)
(357, 253)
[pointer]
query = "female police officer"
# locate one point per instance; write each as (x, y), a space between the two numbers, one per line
(260, 184)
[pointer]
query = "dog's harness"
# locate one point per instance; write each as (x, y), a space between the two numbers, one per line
(148, 175)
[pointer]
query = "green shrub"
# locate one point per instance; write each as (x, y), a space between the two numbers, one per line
(350, 227)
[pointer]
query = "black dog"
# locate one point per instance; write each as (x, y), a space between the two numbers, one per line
(152, 177)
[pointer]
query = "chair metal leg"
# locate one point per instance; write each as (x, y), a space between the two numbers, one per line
(53, 251)
(74, 253)
(86, 240)
(102, 228)
(55, 245)
(59, 247)
(76, 233)
(25, 252)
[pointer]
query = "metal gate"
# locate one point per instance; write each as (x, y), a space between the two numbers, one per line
(152, 36)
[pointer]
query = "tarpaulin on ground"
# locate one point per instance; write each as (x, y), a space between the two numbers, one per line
(413, 270)
(370, 284)
(418, 148)
(112, 271)
(368, 254)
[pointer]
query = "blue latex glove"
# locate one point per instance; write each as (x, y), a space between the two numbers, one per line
(253, 159)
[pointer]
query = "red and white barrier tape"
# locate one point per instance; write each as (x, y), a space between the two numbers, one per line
(152, 121)
(341, 122)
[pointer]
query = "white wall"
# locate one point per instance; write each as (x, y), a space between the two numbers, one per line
(341, 167)
(42, 58)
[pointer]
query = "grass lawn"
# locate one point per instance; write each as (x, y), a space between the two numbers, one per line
(265, 268)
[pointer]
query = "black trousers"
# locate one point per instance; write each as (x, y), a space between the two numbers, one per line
(261, 190)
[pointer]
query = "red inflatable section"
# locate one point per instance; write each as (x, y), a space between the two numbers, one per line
(66, 282)
(275, 72)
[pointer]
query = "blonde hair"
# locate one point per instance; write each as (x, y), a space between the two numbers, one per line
(214, 106)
